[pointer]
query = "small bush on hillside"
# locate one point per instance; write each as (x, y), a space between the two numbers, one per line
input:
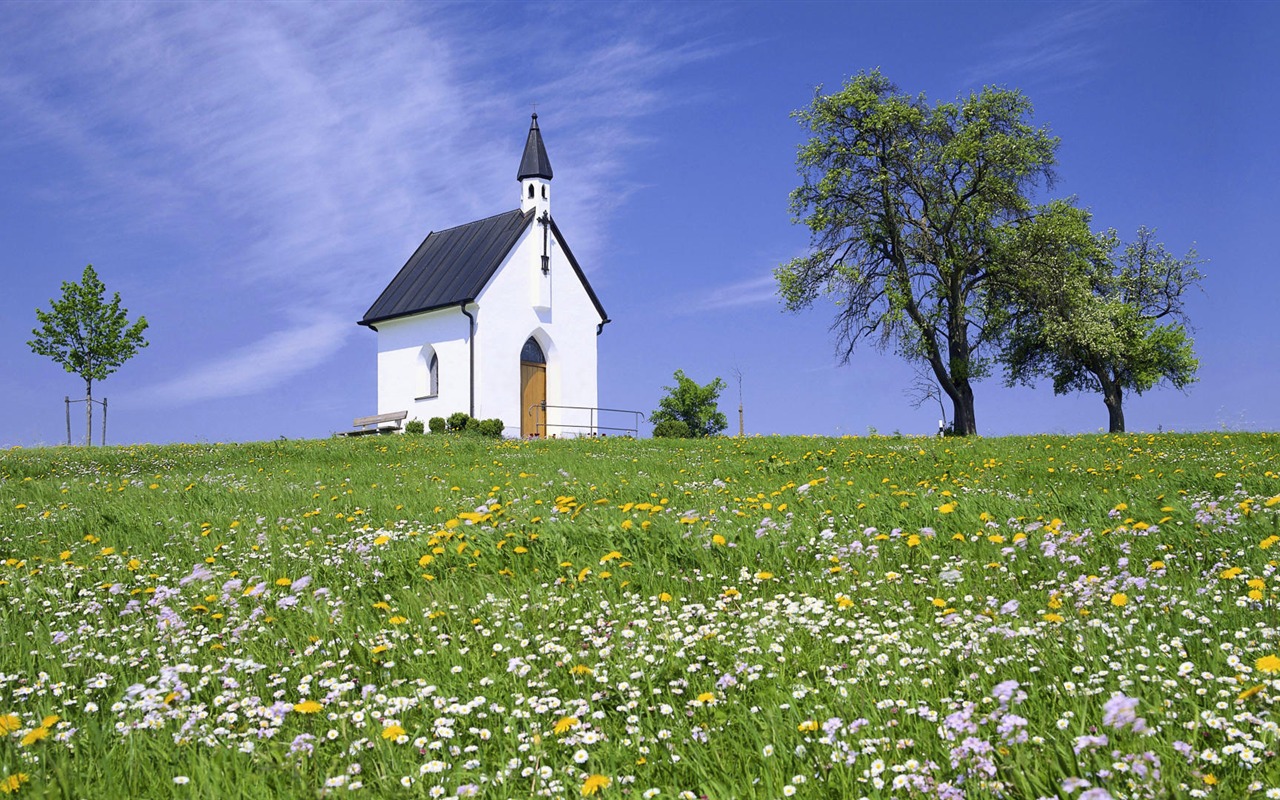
(413, 426)
(437, 425)
(458, 421)
(692, 404)
(472, 426)
(492, 427)
(671, 429)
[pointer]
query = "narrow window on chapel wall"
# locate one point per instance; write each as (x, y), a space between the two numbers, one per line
(426, 379)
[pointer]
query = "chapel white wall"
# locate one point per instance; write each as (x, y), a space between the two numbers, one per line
(400, 378)
(566, 331)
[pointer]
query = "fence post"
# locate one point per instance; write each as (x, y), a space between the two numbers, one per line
(104, 422)
(66, 399)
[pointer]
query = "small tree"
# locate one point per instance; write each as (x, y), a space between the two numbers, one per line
(1101, 317)
(693, 405)
(87, 336)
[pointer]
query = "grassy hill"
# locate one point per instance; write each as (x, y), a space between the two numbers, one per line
(427, 616)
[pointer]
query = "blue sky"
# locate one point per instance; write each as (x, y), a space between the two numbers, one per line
(249, 176)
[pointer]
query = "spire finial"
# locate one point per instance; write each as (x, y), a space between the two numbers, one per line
(534, 163)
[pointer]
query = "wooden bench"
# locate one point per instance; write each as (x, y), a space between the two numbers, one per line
(378, 423)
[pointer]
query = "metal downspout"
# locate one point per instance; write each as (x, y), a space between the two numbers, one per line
(471, 342)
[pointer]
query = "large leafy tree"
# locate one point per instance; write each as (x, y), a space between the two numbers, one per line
(87, 335)
(693, 404)
(1098, 316)
(908, 205)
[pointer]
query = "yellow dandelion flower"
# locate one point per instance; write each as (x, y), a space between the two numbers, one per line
(764, 576)
(1053, 618)
(283, 581)
(1272, 501)
(398, 620)
(807, 725)
(1155, 565)
(707, 698)
(946, 508)
(307, 707)
(1266, 543)
(664, 597)
(610, 556)
(426, 559)
(9, 723)
(34, 736)
(594, 783)
(382, 604)
(14, 782)
(392, 732)
(1250, 692)
(1119, 599)
(1268, 664)
(581, 669)
(913, 540)
(1228, 574)
(720, 540)
(565, 724)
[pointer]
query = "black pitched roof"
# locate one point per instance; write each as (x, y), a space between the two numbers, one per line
(534, 163)
(450, 266)
(453, 266)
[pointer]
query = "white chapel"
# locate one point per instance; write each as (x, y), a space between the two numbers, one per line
(494, 318)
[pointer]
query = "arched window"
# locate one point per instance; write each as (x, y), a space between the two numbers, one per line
(426, 381)
(531, 353)
(544, 192)
(531, 191)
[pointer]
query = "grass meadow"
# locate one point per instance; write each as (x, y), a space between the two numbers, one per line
(426, 616)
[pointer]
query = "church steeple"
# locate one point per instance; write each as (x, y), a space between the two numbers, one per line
(535, 172)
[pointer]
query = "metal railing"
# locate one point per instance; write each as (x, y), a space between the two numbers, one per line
(593, 427)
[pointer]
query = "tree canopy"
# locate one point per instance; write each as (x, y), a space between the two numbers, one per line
(909, 207)
(88, 336)
(693, 404)
(1099, 316)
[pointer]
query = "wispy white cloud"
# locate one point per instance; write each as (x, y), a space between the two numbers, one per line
(305, 149)
(1060, 51)
(751, 292)
(301, 347)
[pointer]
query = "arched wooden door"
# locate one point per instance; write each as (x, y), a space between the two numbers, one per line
(533, 390)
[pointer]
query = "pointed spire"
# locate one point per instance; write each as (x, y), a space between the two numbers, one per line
(535, 163)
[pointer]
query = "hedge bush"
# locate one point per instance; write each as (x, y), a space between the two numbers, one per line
(671, 429)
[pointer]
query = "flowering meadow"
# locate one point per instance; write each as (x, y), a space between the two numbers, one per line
(428, 616)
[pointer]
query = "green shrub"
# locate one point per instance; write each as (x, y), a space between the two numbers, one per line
(492, 427)
(671, 429)
(692, 404)
(472, 426)
(437, 425)
(458, 421)
(413, 426)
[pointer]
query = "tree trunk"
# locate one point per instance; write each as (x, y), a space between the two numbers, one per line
(1113, 396)
(88, 413)
(965, 423)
